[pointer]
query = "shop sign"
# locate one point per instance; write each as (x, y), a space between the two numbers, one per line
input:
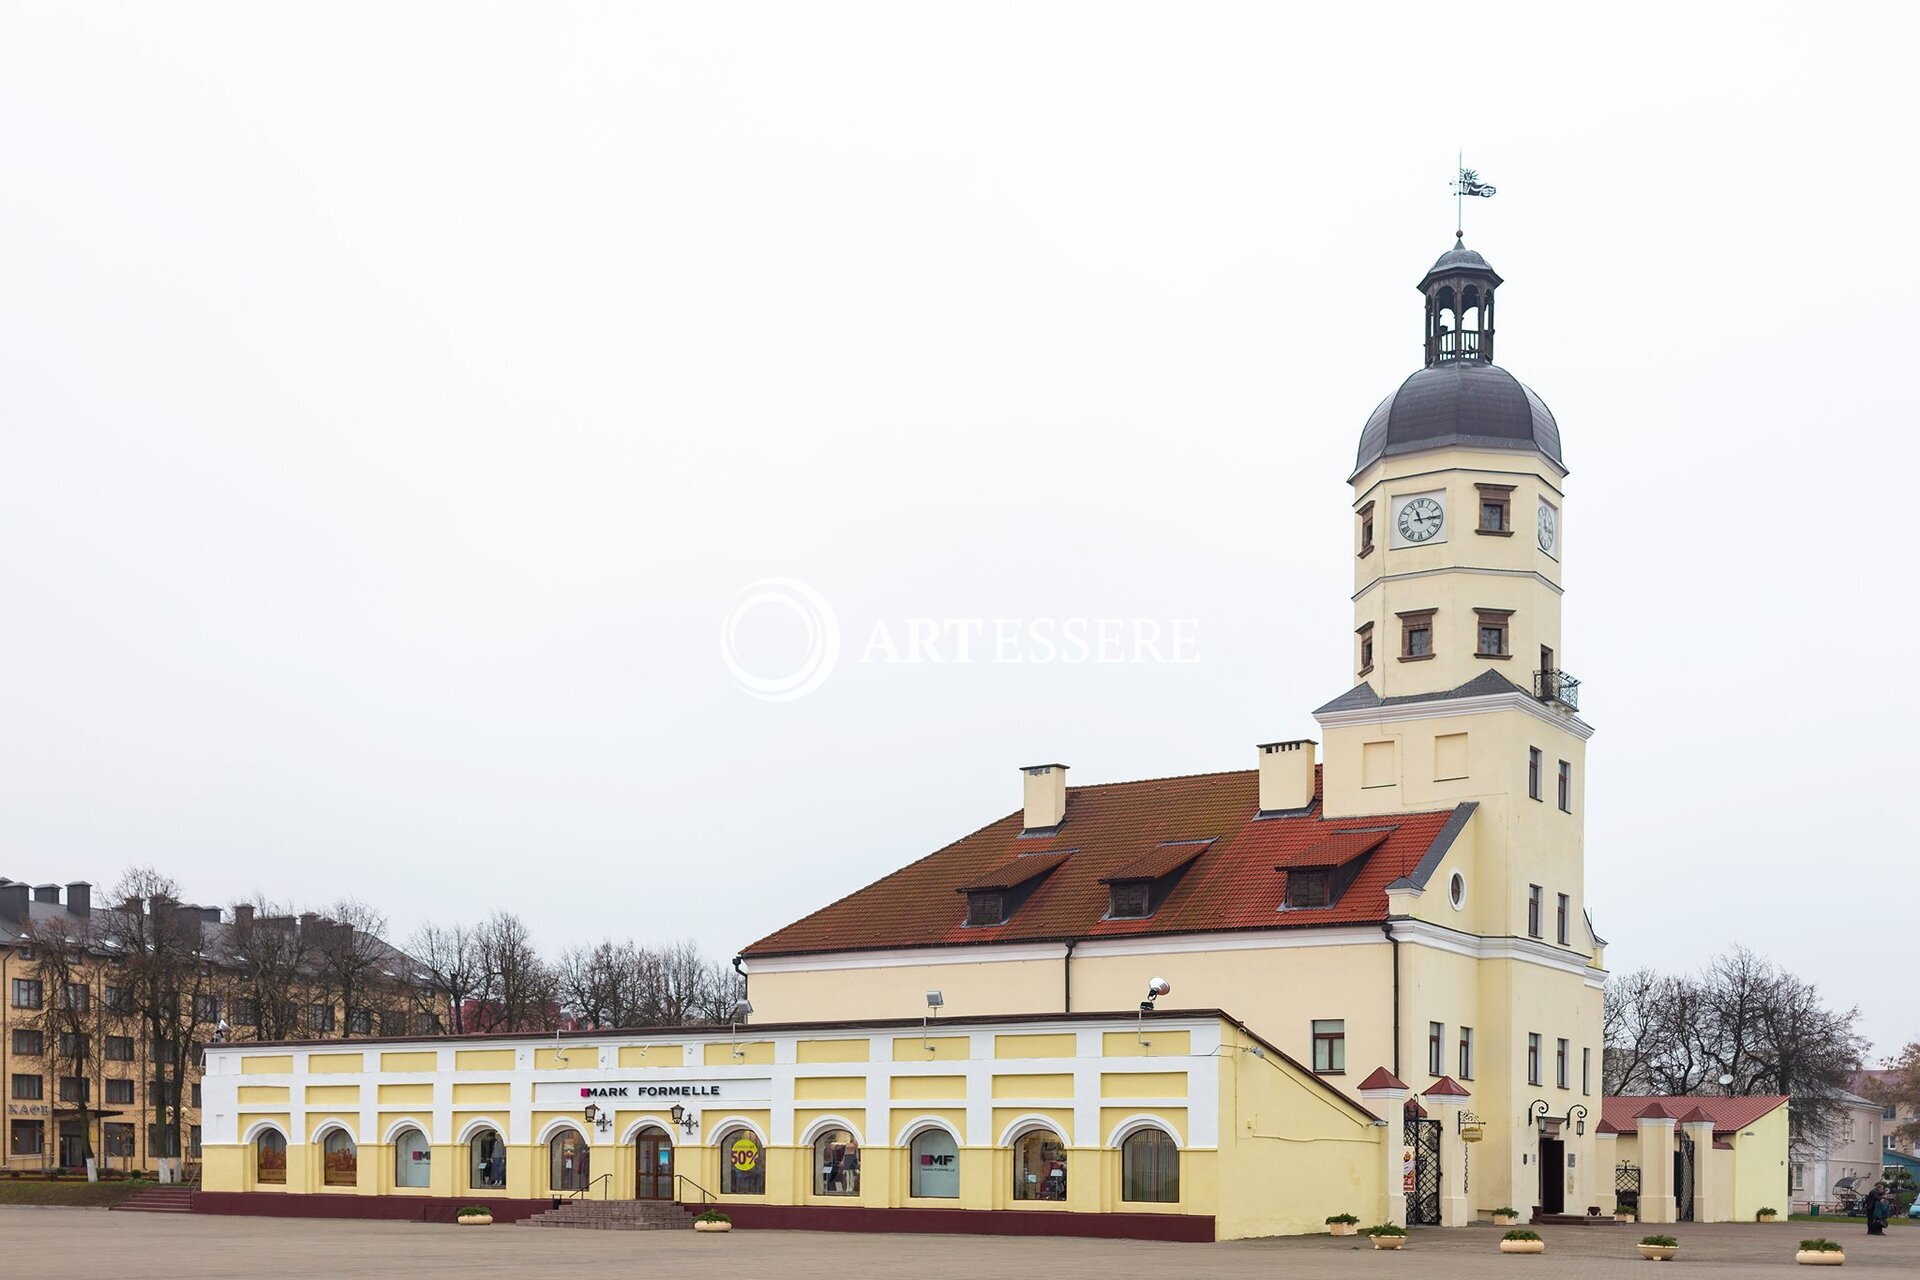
(29, 1109)
(649, 1095)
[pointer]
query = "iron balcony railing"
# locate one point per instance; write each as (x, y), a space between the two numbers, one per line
(1457, 344)
(1557, 686)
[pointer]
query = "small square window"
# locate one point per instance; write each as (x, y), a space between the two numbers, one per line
(1129, 900)
(1366, 530)
(1492, 642)
(1309, 887)
(1329, 1045)
(1416, 635)
(1366, 648)
(986, 907)
(1496, 509)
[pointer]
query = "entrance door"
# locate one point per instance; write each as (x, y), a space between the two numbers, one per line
(73, 1150)
(1553, 1175)
(654, 1172)
(1421, 1171)
(1683, 1166)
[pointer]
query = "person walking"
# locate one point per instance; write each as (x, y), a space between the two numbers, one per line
(1877, 1209)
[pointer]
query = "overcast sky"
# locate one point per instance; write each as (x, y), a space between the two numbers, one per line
(397, 399)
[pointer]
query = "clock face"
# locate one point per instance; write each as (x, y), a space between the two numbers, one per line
(1549, 528)
(1421, 519)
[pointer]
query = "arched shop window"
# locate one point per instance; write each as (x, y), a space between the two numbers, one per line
(411, 1159)
(1040, 1166)
(936, 1165)
(489, 1154)
(571, 1160)
(1149, 1168)
(836, 1164)
(746, 1164)
(340, 1159)
(270, 1157)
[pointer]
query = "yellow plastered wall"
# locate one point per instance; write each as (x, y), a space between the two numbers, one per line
(481, 1094)
(1143, 1084)
(1033, 1086)
(397, 1095)
(572, 1057)
(320, 1064)
(1760, 1165)
(263, 1095)
(937, 1088)
(829, 1088)
(278, 1064)
(1046, 1045)
(1143, 1044)
(483, 1059)
(754, 1052)
(658, 1055)
(833, 1051)
(423, 1061)
(932, 1049)
(333, 1095)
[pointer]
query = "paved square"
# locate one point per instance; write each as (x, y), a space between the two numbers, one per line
(90, 1243)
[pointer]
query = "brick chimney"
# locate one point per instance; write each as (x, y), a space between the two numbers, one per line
(1286, 775)
(47, 893)
(13, 902)
(243, 916)
(80, 898)
(1044, 795)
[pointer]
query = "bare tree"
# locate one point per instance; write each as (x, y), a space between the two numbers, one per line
(603, 985)
(169, 981)
(352, 962)
(73, 1022)
(450, 972)
(1743, 1026)
(265, 956)
(518, 993)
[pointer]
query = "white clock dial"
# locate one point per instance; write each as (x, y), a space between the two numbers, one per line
(1549, 527)
(1421, 519)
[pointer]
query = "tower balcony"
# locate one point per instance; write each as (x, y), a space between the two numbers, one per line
(1557, 687)
(1462, 344)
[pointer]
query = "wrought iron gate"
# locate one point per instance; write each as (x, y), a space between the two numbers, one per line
(1422, 1174)
(1683, 1166)
(1626, 1186)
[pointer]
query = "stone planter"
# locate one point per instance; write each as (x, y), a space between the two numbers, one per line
(1342, 1228)
(1816, 1258)
(1523, 1246)
(1506, 1219)
(1389, 1242)
(1659, 1252)
(475, 1220)
(1767, 1217)
(713, 1226)
(1625, 1217)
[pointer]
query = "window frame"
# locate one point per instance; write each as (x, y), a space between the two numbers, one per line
(117, 1085)
(1536, 912)
(1365, 635)
(915, 1156)
(731, 1175)
(1566, 786)
(560, 1177)
(1533, 1057)
(1365, 515)
(27, 1087)
(1128, 894)
(977, 903)
(1336, 1046)
(1562, 1067)
(1536, 760)
(821, 1146)
(1436, 1049)
(1161, 1178)
(1498, 620)
(1586, 1071)
(1466, 1053)
(336, 1172)
(1498, 497)
(28, 993)
(22, 1036)
(117, 1049)
(1035, 1188)
(1563, 919)
(1300, 883)
(1414, 621)
(268, 1173)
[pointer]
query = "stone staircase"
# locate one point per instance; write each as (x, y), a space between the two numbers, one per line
(615, 1215)
(170, 1199)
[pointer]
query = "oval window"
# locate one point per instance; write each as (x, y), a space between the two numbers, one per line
(1457, 891)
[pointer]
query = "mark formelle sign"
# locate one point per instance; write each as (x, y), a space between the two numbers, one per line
(649, 1091)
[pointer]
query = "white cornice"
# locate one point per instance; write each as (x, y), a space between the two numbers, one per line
(976, 953)
(1438, 707)
(1535, 574)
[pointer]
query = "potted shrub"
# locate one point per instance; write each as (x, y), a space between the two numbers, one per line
(1626, 1214)
(1820, 1253)
(1522, 1241)
(713, 1220)
(1342, 1224)
(1658, 1248)
(1506, 1216)
(1387, 1236)
(1767, 1215)
(473, 1215)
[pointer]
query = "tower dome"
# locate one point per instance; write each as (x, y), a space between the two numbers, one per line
(1461, 398)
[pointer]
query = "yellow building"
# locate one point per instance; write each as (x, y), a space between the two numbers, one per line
(1698, 1159)
(1170, 1125)
(1415, 903)
(1410, 910)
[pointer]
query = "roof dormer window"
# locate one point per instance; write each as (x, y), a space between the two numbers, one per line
(1130, 900)
(1310, 887)
(986, 906)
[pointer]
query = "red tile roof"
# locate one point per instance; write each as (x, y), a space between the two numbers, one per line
(1729, 1115)
(1165, 860)
(1017, 871)
(1382, 1079)
(1116, 827)
(1336, 850)
(1448, 1087)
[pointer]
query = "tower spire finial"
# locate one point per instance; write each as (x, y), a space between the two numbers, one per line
(1467, 184)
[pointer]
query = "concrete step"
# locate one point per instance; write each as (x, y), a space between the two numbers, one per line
(615, 1215)
(159, 1200)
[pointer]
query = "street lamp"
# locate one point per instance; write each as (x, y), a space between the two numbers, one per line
(687, 1121)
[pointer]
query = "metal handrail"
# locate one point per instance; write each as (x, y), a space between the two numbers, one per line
(1553, 685)
(583, 1192)
(705, 1195)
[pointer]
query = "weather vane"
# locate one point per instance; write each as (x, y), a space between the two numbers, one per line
(1467, 184)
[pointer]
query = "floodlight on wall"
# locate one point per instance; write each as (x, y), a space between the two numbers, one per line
(1156, 988)
(742, 1010)
(934, 1001)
